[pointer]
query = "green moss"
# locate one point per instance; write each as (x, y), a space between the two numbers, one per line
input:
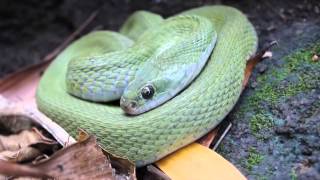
(259, 177)
(260, 121)
(293, 175)
(272, 91)
(296, 74)
(254, 158)
(221, 149)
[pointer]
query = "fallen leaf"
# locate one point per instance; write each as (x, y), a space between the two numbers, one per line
(25, 146)
(253, 61)
(17, 93)
(17, 116)
(83, 160)
(198, 162)
(209, 137)
(124, 168)
(24, 139)
(21, 155)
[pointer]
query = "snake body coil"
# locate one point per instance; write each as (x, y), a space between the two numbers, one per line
(189, 115)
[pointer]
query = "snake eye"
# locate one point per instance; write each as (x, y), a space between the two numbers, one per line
(147, 92)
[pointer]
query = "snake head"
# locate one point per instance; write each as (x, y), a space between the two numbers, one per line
(151, 88)
(145, 97)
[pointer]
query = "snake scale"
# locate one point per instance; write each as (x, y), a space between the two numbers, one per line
(186, 117)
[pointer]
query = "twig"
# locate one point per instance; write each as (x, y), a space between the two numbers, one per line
(261, 53)
(78, 31)
(222, 136)
(253, 61)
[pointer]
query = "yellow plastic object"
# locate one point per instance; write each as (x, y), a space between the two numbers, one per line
(197, 162)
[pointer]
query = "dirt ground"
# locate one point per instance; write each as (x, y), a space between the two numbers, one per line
(31, 29)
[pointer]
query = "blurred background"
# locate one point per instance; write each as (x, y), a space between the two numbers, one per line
(30, 29)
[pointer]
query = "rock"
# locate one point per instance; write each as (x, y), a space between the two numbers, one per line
(306, 151)
(254, 84)
(285, 130)
(315, 58)
(262, 68)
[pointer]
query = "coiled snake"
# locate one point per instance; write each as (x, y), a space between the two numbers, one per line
(204, 99)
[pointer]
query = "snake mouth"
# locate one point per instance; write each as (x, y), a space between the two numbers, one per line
(129, 107)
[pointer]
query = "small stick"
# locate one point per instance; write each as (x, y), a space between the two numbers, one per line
(222, 136)
(261, 53)
(254, 60)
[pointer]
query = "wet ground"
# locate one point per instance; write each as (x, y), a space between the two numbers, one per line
(275, 133)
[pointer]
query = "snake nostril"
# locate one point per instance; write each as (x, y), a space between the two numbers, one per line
(127, 105)
(133, 105)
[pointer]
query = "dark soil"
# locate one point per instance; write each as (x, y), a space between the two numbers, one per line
(272, 138)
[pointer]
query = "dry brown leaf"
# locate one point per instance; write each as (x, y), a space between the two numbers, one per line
(124, 168)
(253, 61)
(17, 93)
(207, 139)
(83, 160)
(29, 153)
(24, 139)
(198, 162)
(21, 155)
(25, 146)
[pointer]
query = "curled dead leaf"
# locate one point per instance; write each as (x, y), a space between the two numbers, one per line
(24, 139)
(124, 168)
(21, 155)
(25, 146)
(83, 160)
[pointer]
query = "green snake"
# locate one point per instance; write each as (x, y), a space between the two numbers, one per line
(198, 105)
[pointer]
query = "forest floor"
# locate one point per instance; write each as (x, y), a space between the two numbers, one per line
(276, 129)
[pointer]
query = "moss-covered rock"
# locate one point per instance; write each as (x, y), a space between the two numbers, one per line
(277, 121)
